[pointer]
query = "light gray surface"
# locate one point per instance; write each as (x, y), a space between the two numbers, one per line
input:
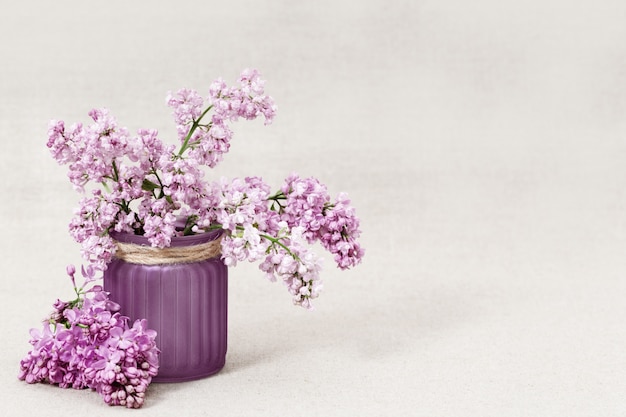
(483, 144)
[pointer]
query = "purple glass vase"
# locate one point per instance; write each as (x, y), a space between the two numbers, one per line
(186, 303)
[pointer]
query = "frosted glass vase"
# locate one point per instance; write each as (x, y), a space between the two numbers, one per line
(186, 303)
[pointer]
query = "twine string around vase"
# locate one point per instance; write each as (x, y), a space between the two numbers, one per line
(148, 255)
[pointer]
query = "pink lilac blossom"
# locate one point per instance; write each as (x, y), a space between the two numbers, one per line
(210, 144)
(187, 105)
(334, 224)
(183, 183)
(304, 205)
(90, 151)
(243, 211)
(63, 143)
(290, 261)
(247, 101)
(90, 225)
(86, 343)
(255, 232)
(340, 231)
(244, 201)
(149, 149)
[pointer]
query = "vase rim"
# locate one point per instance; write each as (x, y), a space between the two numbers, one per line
(177, 241)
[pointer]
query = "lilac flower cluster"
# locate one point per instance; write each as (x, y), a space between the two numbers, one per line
(86, 343)
(257, 232)
(334, 224)
(210, 141)
(149, 186)
(298, 268)
(276, 228)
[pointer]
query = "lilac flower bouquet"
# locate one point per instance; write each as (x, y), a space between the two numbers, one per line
(138, 184)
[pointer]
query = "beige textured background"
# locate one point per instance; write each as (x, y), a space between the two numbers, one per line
(483, 144)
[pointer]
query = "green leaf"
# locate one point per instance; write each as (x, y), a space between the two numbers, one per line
(148, 185)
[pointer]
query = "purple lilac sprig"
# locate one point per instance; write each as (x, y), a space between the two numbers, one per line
(86, 343)
(306, 203)
(277, 229)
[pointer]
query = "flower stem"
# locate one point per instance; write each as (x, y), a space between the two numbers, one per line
(275, 200)
(278, 196)
(275, 241)
(116, 173)
(161, 193)
(194, 126)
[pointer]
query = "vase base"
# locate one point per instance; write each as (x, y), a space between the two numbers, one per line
(169, 379)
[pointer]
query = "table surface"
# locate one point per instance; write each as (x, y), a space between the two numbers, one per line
(482, 143)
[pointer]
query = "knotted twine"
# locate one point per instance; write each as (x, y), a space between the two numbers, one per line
(148, 255)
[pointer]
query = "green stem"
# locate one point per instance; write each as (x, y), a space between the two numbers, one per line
(278, 196)
(194, 126)
(106, 187)
(274, 240)
(275, 200)
(189, 224)
(116, 178)
(116, 173)
(161, 193)
(282, 245)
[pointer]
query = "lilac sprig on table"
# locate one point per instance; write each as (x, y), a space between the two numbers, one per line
(86, 343)
(138, 184)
